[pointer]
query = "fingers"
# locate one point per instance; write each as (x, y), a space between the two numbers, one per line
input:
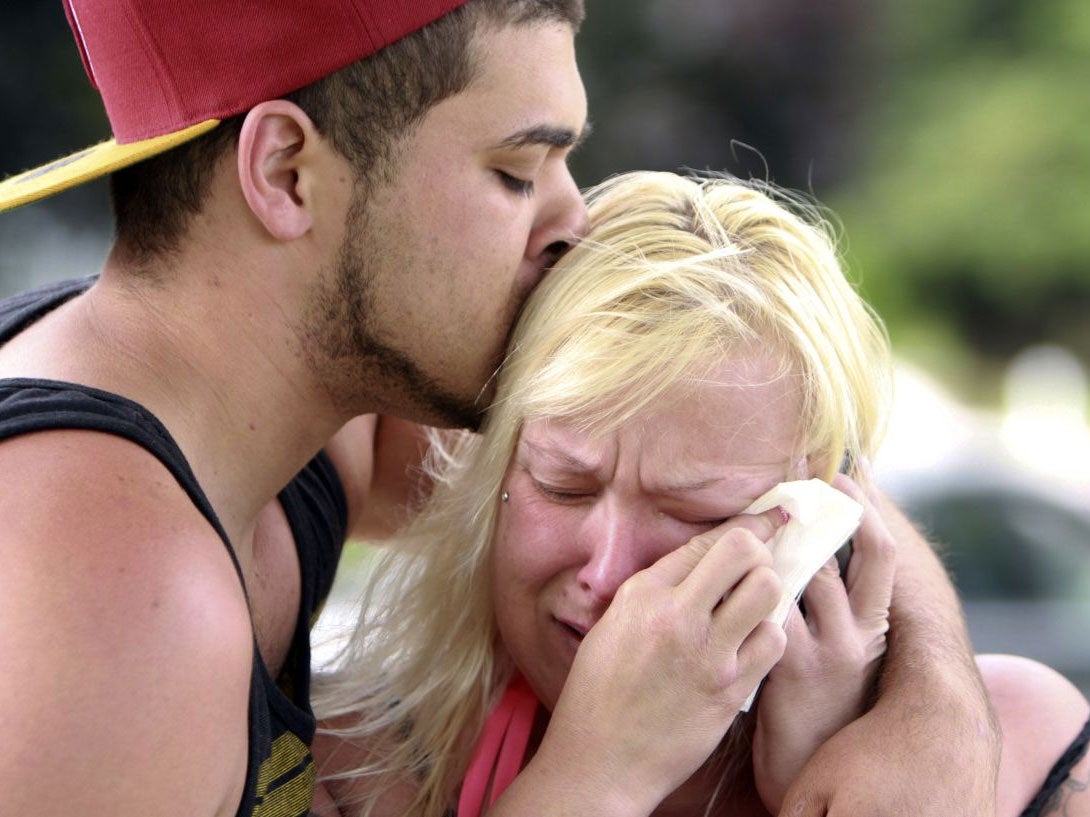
(796, 628)
(727, 574)
(870, 571)
(743, 535)
(827, 625)
(761, 525)
(748, 603)
(828, 610)
(805, 805)
(758, 653)
(739, 556)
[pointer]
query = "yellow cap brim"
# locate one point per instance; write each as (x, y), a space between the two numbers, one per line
(95, 161)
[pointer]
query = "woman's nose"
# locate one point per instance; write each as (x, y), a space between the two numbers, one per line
(616, 547)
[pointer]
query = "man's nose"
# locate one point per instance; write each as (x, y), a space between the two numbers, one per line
(562, 220)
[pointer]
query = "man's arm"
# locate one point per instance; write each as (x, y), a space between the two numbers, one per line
(124, 634)
(930, 745)
(378, 458)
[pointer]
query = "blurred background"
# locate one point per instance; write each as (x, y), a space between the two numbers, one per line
(951, 138)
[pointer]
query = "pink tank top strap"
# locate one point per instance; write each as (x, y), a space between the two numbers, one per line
(501, 748)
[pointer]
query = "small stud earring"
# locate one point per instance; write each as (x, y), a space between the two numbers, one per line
(505, 496)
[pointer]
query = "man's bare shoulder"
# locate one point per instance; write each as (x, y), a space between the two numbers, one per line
(125, 632)
(106, 506)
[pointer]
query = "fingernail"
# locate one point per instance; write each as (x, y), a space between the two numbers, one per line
(785, 517)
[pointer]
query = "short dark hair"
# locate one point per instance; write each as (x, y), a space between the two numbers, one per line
(363, 110)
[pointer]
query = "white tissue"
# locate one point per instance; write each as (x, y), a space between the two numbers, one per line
(822, 519)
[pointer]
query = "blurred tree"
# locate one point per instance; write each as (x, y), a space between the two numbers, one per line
(765, 88)
(971, 204)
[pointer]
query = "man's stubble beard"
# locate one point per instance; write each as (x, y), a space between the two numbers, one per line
(342, 343)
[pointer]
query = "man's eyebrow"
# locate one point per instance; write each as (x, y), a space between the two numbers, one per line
(547, 135)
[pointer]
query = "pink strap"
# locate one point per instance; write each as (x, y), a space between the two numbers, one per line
(500, 748)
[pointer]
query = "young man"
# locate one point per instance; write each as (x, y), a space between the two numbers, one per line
(344, 206)
(362, 246)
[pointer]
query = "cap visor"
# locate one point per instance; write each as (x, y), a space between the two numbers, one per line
(95, 161)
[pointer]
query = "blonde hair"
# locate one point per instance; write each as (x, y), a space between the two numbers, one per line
(676, 275)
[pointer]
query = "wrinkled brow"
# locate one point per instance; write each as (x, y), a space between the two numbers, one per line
(557, 457)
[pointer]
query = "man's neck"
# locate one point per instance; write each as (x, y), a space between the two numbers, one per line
(227, 380)
(209, 356)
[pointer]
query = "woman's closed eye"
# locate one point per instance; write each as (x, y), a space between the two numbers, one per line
(706, 524)
(566, 494)
(696, 516)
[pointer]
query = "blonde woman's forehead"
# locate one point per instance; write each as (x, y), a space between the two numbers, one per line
(745, 412)
(563, 443)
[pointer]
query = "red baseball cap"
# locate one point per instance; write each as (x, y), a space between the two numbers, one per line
(170, 70)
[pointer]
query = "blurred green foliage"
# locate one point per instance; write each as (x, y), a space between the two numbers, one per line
(969, 212)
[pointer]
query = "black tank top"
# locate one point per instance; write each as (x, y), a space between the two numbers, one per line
(280, 772)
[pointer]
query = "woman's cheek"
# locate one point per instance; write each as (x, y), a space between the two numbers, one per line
(536, 542)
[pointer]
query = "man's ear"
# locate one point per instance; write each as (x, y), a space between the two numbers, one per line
(271, 152)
